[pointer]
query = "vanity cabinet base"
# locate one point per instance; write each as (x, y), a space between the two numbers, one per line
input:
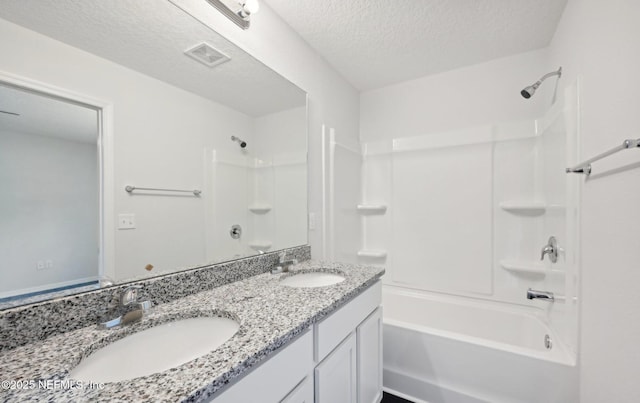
(338, 361)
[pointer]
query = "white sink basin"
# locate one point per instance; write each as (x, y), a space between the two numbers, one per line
(312, 279)
(155, 350)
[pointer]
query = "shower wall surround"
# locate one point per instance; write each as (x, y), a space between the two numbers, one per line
(449, 225)
(446, 167)
(342, 189)
(471, 197)
(25, 324)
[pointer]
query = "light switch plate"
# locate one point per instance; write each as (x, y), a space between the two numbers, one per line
(126, 221)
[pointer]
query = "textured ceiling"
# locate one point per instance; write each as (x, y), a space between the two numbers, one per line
(150, 36)
(44, 116)
(374, 43)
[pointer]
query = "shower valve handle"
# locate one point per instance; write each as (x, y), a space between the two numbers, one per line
(551, 249)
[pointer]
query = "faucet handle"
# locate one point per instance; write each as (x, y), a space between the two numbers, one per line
(551, 249)
(130, 295)
(544, 251)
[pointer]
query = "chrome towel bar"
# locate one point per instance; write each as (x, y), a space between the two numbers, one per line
(130, 189)
(585, 167)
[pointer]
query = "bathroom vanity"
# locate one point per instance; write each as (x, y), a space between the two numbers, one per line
(338, 359)
(293, 344)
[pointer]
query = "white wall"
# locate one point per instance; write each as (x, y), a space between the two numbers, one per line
(471, 96)
(48, 205)
(598, 42)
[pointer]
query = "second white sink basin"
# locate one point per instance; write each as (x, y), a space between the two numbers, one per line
(155, 350)
(312, 279)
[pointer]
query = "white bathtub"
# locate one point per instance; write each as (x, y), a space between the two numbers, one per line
(441, 349)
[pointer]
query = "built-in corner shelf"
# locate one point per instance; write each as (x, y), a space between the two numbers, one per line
(260, 208)
(261, 245)
(372, 208)
(524, 207)
(376, 254)
(523, 266)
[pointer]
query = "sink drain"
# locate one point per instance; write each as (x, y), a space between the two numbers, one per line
(547, 342)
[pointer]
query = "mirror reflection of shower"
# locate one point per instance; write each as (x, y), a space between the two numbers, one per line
(242, 143)
(528, 91)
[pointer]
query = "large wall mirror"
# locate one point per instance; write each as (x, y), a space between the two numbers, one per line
(195, 154)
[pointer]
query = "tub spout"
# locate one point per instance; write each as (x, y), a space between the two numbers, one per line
(535, 294)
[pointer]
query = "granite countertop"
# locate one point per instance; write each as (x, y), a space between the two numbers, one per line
(270, 316)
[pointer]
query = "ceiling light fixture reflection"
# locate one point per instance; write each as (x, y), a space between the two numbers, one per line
(249, 7)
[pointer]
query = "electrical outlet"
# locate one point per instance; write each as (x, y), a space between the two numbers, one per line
(44, 264)
(126, 221)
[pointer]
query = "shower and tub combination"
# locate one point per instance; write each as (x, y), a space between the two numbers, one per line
(439, 348)
(471, 311)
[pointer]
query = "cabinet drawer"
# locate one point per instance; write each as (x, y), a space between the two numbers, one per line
(275, 378)
(335, 328)
(303, 393)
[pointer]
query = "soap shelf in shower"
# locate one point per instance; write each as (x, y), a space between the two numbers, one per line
(524, 207)
(372, 208)
(259, 208)
(523, 266)
(260, 245)
(376, 254)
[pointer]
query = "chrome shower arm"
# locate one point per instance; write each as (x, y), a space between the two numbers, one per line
(528, 92)
(552, 74)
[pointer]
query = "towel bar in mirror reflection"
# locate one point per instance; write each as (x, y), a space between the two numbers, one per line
(130, 189)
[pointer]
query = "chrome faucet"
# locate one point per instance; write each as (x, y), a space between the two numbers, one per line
(551, 249)
(535, 294)
(129, 309)
(283, 265)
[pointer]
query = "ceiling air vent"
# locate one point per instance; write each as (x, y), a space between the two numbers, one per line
(206, 54)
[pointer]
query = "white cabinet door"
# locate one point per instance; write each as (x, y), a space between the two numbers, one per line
(335, 377)
(303, 393)
(369, 341)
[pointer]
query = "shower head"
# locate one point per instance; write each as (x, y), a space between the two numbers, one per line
(528, 91)
(242, 143)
